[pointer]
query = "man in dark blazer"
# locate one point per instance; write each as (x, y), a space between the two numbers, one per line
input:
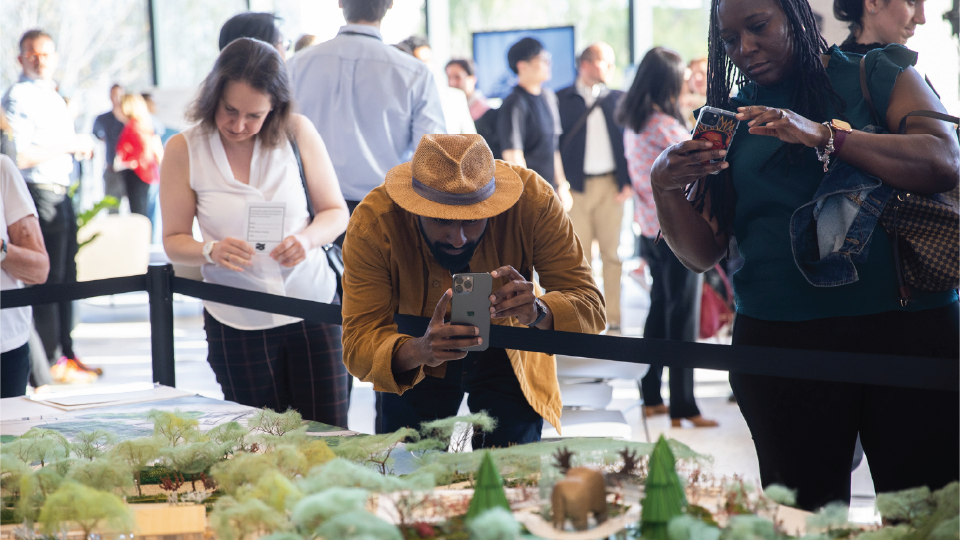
(591, 149)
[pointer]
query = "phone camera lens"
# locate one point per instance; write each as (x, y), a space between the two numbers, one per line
(711, 119)
(458, 289)
(459, 280)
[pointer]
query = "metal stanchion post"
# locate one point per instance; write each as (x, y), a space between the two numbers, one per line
(161, 322)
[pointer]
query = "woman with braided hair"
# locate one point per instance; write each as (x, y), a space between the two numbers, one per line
(794, 96)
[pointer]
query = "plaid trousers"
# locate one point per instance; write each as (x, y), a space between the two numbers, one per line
(299, 366)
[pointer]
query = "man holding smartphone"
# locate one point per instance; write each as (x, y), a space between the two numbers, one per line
(454, 209)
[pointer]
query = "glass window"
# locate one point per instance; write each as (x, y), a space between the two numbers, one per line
(324, 19)
(187, 34)
(682, 28)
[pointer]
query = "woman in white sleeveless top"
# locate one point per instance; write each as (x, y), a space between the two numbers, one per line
(240, 153)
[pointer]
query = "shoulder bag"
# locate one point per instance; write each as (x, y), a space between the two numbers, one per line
(925, 228)
(334, 254)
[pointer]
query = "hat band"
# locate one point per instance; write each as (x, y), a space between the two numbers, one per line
(455, 199)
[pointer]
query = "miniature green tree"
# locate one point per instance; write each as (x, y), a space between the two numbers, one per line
(174, 427)
(35, 487)
(192, 458)
(311, 511)
(686, 527)
(137, 453)
(832, 517)
(232, 436)
(272, 488)
(751, 527)
(316, 452)
(439, 434)
(664, 494)
(358, 524)
(374, 449)
(12, 470)
(274, 423)
(293, 437)
(343, 473)
(904, 506)
(235, 520)
(244, 468)
(488, 491)
(92, 444)
(39, 445)
(86, 507)
(104, 474)
(494, 524)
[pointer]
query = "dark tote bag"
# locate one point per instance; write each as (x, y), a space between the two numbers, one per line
(334, 254)
(925, 228)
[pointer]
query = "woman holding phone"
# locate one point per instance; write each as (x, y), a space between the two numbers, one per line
(794, 96)
(241, 152)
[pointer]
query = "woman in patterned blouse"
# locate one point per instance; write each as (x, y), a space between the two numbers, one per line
(654, 122)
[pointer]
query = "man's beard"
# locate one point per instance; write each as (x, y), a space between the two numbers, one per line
(451, 263)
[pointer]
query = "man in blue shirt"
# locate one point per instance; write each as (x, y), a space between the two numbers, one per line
(45, 139)
(370, 102)
(107, 127)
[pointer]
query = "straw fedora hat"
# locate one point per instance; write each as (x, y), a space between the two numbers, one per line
(454, 177)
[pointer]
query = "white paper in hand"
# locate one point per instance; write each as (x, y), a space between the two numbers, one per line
(263, 226)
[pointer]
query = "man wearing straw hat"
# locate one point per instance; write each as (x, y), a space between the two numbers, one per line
(455, 209)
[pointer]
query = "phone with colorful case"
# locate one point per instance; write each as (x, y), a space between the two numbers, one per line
(717, 126)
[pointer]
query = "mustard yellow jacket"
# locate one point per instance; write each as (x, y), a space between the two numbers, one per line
(389, 270)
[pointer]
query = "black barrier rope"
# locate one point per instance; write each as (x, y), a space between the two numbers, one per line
(899, 371)
(270, 303)
(64, 292)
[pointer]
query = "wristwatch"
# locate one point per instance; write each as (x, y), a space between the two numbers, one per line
(207, 250)
(838, 133)
(541, 312)
(840, 130)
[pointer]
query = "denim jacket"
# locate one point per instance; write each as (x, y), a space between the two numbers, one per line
(833, 231)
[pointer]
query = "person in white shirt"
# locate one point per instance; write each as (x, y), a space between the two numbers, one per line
(370, 102)
(241, 152)
(453, 101)
(23, 259)
(591, 149)
(46, 144)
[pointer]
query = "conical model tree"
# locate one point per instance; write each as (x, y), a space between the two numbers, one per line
(488, 489)
(664, 494)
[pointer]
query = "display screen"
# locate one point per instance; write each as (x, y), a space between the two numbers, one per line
(494, 77)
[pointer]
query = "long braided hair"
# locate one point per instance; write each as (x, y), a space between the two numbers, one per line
(809, 98)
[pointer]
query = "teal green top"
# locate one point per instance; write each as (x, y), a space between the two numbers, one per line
(769, 286)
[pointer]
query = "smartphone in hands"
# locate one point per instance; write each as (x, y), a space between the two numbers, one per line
(471, 305)
(717, 126)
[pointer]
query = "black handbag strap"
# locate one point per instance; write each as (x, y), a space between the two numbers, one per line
(901, 129)
(568, 137)
(333, 252)
(929, 114)
(865, 89)
(303, 177)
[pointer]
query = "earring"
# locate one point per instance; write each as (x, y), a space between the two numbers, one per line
(873, 11)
